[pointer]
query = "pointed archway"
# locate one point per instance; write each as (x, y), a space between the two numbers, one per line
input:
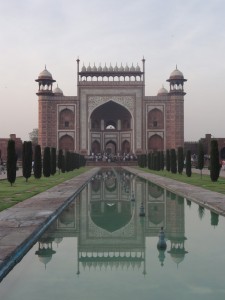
(111, 123)
(66, 142)
(95, 147)
(155, 143)
(125, 147)
(110, 147)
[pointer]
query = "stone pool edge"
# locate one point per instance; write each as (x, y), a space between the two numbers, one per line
(213, 201)
(22, 224)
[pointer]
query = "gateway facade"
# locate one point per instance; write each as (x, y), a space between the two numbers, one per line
(111, 112)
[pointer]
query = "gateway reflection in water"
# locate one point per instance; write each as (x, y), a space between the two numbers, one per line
(111, 234)
(100, 248)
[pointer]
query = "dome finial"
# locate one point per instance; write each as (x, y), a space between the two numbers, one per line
(176, 66)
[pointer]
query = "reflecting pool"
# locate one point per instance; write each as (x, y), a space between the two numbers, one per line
(101, 248)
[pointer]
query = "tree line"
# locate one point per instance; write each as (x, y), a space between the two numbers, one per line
(45, 164)
(175, 161)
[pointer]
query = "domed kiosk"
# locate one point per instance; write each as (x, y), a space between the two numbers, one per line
(176, 81)
(45, 82)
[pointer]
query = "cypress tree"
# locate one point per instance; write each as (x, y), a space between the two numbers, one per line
(144, 160)
(67, 161)
(82, 160)
(149, 160)
(47, 162)
(168, 160)
(37, 162)
(180, 159)
(154, 166)
(201, 211)
(200, 157)
(63, 166)
(214, 161)
(76, 160)
(11, 162)
(139, 160)
(158, 161)
(53, 161)
(60, 155)
(27, 156)
(214, 218)
(173, 161)
(188, 163)
(152, 161)
(162, 160)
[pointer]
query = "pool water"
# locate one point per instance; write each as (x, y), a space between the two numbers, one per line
(101, 248)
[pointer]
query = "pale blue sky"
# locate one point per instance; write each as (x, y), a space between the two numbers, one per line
(189, 33)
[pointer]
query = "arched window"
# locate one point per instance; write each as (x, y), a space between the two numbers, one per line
(110, 125)
(155, 119)
(66, 142)
(66, 119)
(110, 147)
(155, 143)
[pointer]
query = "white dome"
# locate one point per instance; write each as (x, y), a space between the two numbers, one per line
(162, 91)
(94, 68)
(105, 69)
(176, 74)
(116, 68)
(45, 259)
(45, 74)
(110, 68)
(132, 68)
(58, 240)
(100, 68)
(127, 68)
(89, 68)
(177, 258)
(57, 91)
(138, 68)
(84, 68)
(121, 68)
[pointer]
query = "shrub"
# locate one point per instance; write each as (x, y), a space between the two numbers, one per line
(37, 162)
(214, 161)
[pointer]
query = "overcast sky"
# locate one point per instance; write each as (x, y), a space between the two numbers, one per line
(189, 34)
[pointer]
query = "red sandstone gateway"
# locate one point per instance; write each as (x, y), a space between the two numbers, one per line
(111, 113)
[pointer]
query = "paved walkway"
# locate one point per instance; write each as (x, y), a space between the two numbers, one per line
(22, 224)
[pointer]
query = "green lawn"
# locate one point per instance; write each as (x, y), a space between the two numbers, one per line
(21, 190)
(195, 179)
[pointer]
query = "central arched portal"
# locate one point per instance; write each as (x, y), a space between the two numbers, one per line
(111, 128)
(110, 148)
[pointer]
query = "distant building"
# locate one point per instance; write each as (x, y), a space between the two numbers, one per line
(4, 144)
(206, 141)
(111, 112)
